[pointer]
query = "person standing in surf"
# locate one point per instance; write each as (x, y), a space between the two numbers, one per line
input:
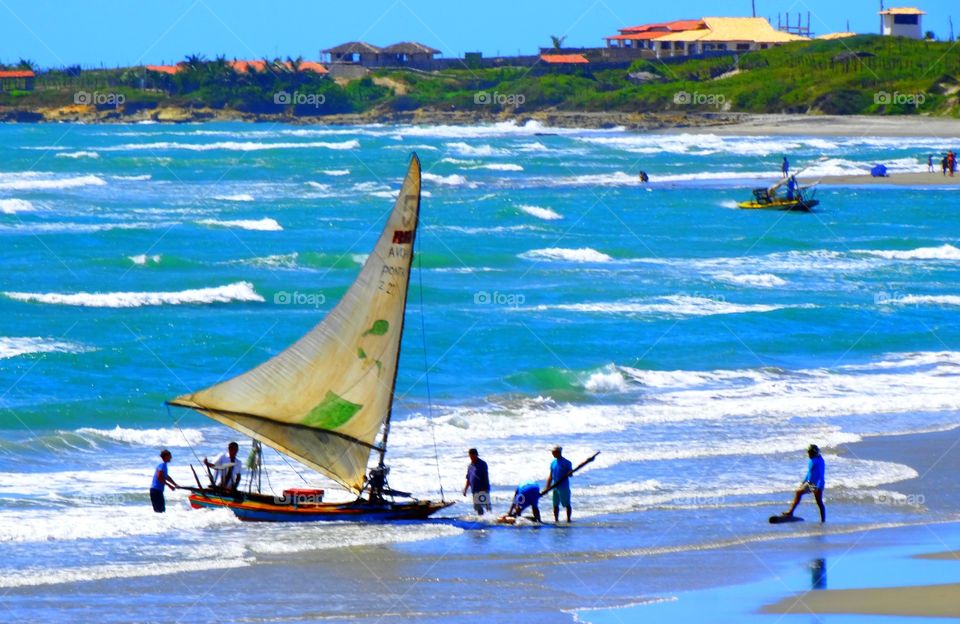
(478, 482)
(560, 470)
(813, 482)
(161, 479)
(785, 167)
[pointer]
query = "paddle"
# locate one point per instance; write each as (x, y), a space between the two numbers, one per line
(570, 474)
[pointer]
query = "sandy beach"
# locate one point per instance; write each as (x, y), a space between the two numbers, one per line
(834, 125)
(899, 179)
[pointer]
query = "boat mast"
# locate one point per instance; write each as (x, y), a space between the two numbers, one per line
(403, 318)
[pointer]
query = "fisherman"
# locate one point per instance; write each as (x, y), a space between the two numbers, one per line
(930, 164)
(644, 178)
(228, 469)
(792, 187)
(952, 162)
(560, 470)
(813, 482)
(526, 495)
(786, 167)
(478, 482)
(943, 165)
(161, 479)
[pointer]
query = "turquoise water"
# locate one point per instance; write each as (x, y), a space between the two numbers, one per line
(699, 347)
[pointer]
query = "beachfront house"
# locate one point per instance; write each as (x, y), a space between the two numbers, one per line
(709, 35)
(355, 52)
(407, 53)
(902, 22)
(17, 80)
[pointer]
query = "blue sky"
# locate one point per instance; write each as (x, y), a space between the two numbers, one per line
(127, 32)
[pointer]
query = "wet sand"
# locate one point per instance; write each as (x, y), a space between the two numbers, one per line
(837, 125)
(923, 601)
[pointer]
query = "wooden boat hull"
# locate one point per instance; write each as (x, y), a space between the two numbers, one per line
(257, 508)
(789, 205)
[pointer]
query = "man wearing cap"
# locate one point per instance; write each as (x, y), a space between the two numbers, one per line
(814, 482)
(478, 482)
(560, 470)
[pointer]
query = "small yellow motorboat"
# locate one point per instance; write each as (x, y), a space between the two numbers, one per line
(798, 200)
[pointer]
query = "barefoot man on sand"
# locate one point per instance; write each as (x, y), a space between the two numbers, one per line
(813, 482)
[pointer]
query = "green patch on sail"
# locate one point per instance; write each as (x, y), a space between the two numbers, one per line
(332, 412)
(361, 353)
(378, 328)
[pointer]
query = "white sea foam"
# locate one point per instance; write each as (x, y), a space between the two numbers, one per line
(14, 346)
(133, 178)
(144, 259)
(541, 213)
(32, 183)
(277, 261)
(760, 280)
(609, 379)
(36, 577)
(937, 300)
(450, 180)
(237, 146)
(237, 197)
(13, 206)
(943, 252)
(673, 305)
(468, 150)
(501, 167)
(80, 154)
(583, 254)
(335, 172)
(238, 291)
(320, 186)
(261, 225)
(147, 437)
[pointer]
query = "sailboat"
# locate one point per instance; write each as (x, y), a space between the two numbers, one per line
(325, 400)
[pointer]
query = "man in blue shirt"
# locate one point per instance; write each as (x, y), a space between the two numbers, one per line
(785, 167)
(161, 478)
(478, 482)
(560, 470)
(814, 481)
(526, 495)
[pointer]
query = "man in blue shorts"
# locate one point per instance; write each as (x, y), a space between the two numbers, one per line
(813, 482)
(526, 495)
(161, 479)
(560, 470)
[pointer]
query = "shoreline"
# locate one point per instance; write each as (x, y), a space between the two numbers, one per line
(721, 123)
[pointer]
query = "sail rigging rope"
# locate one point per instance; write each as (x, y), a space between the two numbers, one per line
(426, 376)
(176, 423)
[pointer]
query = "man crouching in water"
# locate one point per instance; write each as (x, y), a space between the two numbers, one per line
(813, 482)
(526, 495)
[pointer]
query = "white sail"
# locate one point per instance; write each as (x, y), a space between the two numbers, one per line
(324, 400)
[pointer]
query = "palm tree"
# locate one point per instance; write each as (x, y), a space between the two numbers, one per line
(557, 41)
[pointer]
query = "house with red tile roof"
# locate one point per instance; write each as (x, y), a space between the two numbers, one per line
(16, 79)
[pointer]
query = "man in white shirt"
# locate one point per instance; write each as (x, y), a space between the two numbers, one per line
(228, 469)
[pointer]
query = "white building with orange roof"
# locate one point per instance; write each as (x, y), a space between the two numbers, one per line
(902, 22)
(723, 34)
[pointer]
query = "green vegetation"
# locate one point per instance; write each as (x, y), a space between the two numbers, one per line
(860, 75)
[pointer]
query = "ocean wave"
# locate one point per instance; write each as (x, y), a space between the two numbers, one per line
(335, 172)
(937, 300)
(11, 347)
(37, 577)
(54, 228)
(761, 280)
(31, 183)
(499, 129)
(133, 178)
(238, 197)
(144, 259)
(583, 254)
(943, 252)
(260, 225)
(672, 305)
(496, 229)
(541, 213)
(450, 180)
(238, 291)
(465, 149)
(173, 438)
(500, 167)
(13, 206)
(80, 154)
(236, 146)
